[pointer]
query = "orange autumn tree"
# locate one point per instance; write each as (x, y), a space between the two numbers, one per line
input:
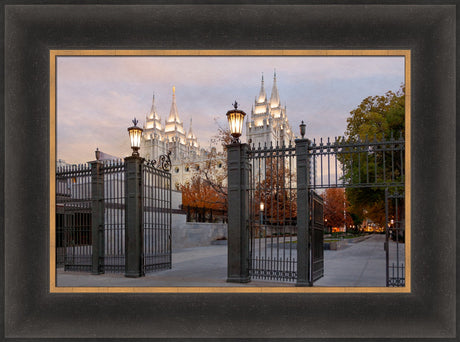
(199, 193)
(335, 202)
(208, 187)
(277, 192)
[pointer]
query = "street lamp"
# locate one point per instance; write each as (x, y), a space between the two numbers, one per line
(302, 129)
(135, 134)
(262, 206)
(235, 119)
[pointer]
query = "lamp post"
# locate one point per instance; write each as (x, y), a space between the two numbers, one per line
(235, 119)
(135, 134)
(238, 202)
(133, 206)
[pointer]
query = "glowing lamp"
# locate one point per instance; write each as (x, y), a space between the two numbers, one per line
(135, 134)
(262, 206)
(235, 119)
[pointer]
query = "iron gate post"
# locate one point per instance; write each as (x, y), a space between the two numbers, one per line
(238, 213)
(97, 217)
(303, 230)
(133, 217)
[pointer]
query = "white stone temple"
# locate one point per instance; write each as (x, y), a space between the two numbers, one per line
(269, 123)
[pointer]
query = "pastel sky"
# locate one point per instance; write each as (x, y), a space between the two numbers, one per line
(97, 97)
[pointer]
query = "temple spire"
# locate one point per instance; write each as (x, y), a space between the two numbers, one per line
(262, 95)
(153, 111)
(173, 113)
(190, 134)
(274, 98)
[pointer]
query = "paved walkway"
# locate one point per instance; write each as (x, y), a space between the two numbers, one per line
(358, 264)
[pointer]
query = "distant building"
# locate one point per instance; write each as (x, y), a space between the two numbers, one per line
(269, 123)
(158, 139)
(61, 163)
(187, 157)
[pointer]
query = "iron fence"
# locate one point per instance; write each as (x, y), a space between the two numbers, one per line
(73, 218)
(272, 213)
(157, 219)
(91, 217)
(316, 225)
(113, 172)
(285, 225)
(360, 163)
(395, 237)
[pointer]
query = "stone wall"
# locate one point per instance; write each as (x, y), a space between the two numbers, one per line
(195, 234)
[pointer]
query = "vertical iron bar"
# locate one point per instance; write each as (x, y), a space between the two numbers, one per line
(367, 166)
(375, 165)
(383, 162)
(392, 164)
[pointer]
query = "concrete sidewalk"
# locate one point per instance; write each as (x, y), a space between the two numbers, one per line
(359, 264)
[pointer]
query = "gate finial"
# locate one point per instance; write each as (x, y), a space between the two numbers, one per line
(302, 129)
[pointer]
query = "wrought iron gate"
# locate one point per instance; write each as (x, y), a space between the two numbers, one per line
(373, 164)
(394, 237)
(157, 219)
(91, 217)
(317, 236)
(73, 218)
(112, 219)
(281, 185)
(272, 223)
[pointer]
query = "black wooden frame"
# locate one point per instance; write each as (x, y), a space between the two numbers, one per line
(30, 312)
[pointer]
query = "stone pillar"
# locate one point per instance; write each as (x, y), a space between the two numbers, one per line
(303, 214)
(97, 217)
(133, 217)
(238, 213)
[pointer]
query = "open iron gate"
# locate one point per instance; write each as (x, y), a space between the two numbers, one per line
(277, 175)
(395, 237)
(317, 236)
(273, 230)
(91, 218)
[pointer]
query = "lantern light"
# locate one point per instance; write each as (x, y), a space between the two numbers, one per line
(262, 206)
(235, 119)
(135, 134)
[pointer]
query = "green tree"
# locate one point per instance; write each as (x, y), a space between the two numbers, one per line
(377, 118)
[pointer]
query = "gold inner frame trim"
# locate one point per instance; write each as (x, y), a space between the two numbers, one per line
(250, 289)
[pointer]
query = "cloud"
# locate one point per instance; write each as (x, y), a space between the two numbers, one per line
(97, 97)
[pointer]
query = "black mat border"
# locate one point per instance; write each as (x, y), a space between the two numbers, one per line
(32, 313)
